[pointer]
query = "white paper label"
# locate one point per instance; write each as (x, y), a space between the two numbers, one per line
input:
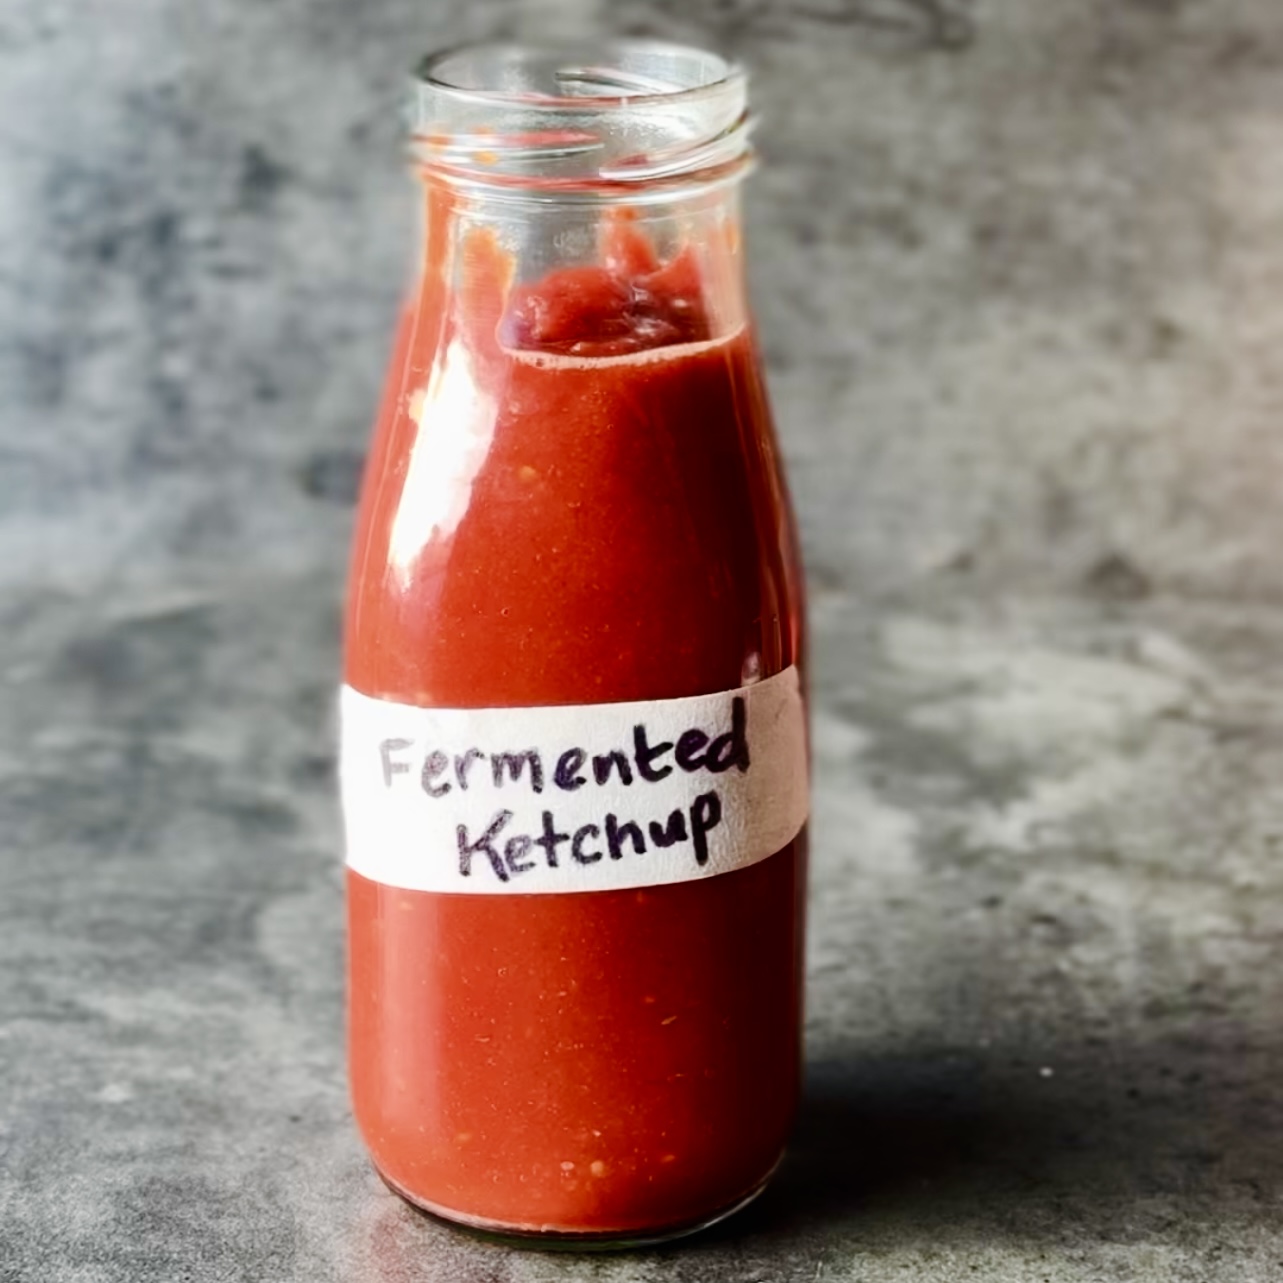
(585, 797)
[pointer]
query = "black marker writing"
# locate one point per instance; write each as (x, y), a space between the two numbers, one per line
(514, 763)
(670, 834)
(601, 767)
(463, 762)
(551, 839)
(433, 765)
(706, 814)
(484, 843)
(616, 833)
(694, 750)
(577, 845)
(391, 768)
(569, 764)
(646, 754)
(730, 749)
(623, 838)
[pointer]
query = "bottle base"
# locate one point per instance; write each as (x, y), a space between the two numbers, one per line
(561, 1240)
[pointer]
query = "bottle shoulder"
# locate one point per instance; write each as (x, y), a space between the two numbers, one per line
(553, 513)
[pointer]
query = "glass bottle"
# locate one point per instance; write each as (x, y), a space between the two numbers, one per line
(573, 745)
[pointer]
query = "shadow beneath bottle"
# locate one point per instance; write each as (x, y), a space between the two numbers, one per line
(1127, 1141)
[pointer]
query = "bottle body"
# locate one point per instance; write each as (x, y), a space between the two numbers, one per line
(574, 499)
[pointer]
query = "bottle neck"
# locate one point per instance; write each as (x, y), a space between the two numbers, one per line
(582, 200)
(585, 277)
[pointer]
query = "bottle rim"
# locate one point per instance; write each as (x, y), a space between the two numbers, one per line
(587, 118)
(707, 72)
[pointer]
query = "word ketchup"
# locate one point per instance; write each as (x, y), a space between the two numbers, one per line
(573, 755)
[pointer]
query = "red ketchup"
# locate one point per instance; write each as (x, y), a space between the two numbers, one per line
(573, 498)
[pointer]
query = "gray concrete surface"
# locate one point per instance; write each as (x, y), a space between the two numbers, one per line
(1019, 269)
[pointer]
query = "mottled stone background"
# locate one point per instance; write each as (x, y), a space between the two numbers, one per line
(1019, 273)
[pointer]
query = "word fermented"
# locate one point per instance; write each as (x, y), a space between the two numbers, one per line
(693, 750)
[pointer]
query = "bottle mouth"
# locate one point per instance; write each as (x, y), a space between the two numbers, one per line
(586, 117)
